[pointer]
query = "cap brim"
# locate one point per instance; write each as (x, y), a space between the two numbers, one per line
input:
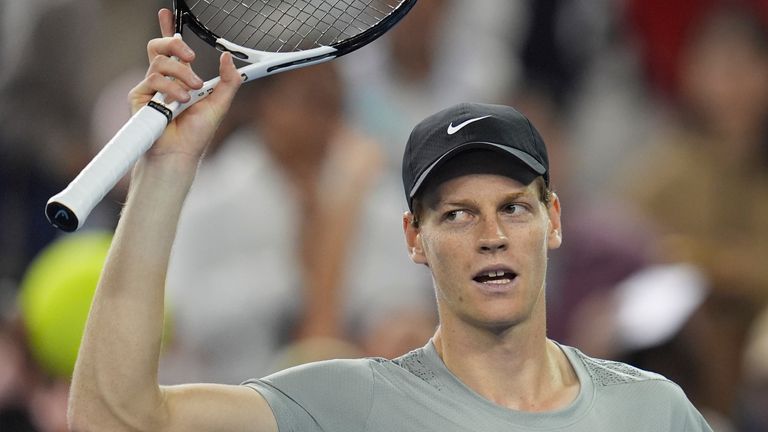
(520, 155)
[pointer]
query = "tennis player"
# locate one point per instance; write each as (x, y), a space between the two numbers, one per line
(481, 218)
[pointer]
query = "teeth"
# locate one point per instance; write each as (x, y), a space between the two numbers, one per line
(496, 277)
(498, 281)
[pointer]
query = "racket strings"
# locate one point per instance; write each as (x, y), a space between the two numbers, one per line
(332, 19)
(293, 25)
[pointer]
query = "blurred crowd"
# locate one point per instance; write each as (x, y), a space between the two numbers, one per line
(290, 247)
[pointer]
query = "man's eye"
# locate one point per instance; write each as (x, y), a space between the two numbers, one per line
(514, 208)
(455, 215)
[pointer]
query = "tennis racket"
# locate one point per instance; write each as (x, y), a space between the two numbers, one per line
(273, 36)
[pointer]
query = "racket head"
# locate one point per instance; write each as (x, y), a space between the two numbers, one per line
(248, 28)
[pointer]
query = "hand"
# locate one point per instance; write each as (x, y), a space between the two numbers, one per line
(189, 134)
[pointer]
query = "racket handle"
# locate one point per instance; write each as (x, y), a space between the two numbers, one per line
(68, 209)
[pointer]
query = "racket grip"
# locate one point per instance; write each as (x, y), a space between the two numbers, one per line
(68, 209)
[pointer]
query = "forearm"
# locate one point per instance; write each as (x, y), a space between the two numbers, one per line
(115, 378)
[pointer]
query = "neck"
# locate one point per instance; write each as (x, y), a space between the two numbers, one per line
(518, 368)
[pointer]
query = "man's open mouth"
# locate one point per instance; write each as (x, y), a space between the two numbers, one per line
(495, 277)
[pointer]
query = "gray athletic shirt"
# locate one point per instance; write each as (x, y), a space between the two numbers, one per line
(416, 392)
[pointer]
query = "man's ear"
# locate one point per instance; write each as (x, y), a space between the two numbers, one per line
(555, 235)
(413, 239)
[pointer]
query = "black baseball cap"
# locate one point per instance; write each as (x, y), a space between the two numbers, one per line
(471, 126)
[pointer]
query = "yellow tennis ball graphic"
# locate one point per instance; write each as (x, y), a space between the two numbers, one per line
(55, 297)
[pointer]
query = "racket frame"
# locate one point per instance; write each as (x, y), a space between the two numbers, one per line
(68, 209)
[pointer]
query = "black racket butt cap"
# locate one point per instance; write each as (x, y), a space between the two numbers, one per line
(61, 216)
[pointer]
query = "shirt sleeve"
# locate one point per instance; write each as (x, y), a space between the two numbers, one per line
(685, 416)
(334, 395)
(694, 421)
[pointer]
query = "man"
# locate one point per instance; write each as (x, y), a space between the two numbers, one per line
(482, 220)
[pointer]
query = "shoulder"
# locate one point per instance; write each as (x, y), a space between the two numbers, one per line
(622, 388)
(326, 395)
(613, 378)
(322, 373)
(608, 372)
(360, 372)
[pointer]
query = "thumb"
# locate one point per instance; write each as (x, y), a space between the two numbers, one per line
(230, 78)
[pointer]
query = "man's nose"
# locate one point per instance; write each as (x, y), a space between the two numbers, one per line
(492, 237)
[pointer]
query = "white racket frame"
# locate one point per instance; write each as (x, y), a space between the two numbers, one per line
(69, 209)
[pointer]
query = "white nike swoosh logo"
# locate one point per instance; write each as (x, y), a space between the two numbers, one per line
(453, 129)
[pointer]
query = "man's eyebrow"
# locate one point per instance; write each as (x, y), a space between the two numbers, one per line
(521, 194)
(512, 196)
(456, 203)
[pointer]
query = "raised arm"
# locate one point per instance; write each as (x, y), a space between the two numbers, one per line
(115, 386)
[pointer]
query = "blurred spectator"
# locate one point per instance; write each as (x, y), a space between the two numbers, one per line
(560, 43)
(301, 232)
(580, 56)
(55, 55)
(708, 180)
(704, 184)
(443, 52)
(664, 319)
(40, 141)
(660, 29)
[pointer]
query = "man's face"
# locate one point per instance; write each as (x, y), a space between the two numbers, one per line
(485, 238)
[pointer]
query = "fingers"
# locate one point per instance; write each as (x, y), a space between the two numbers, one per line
(183, 78)
(165, 17)
(172, 90)
(170, 47)
(163, 54)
